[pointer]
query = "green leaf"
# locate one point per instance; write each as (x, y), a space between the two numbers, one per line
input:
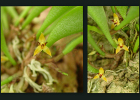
(122, 10)
(137, 27)
(34, 13)
(113, 9)
(23, 14)
(4, 19)
(73, 44)
(98, 15)
(132, 14)
(95, 29)
(92, 69)
(4, 48)
(69, 24)
(136, 46)
(54, 13)
(94, 45)
(11, 10)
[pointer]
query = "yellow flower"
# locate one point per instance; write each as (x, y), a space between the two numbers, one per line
(121, 45)
(42, 46)
(100, 74)
(116, 21)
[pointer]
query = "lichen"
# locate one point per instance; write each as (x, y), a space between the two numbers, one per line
(121, 80)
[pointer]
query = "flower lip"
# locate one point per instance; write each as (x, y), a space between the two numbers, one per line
(42, 46)
(100, 75)
(121, 46)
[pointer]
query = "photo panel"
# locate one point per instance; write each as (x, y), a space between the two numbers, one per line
(41, 49)
(113, 49)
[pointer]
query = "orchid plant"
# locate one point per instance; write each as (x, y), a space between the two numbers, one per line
(68, 21)
(113, 29)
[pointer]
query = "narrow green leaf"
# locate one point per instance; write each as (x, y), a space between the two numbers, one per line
(122, 10)
(51, 27)
(113, 9)
(4, 48)
(93, 28)
(132, 14)
(23, 14)
(9, 79)
(69, 24)
(34, 13)
(73, 44)
(94, 45)
(98, 15)
(136, 46)
(11, 10)
(137, 27)
(4, 19)
(92, 69)
(54, 13)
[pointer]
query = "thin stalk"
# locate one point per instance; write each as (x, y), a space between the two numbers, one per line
(9, 79)
(137, 27)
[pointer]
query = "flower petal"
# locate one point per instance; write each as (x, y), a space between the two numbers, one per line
(118, 49)
(116, 19)
(101, 71)
(103, 77)
(95, 77)
(42, 39)
(37, 50)
(120, 41)
(125, 47)
(112, 26)
(115, 15)
(47, 50)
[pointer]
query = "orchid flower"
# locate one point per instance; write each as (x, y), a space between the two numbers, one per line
(101, 74)
(42, 46)
(121, 45)
(116, 21)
